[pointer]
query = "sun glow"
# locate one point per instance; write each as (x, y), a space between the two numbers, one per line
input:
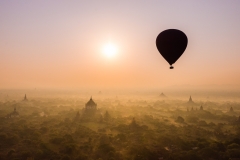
(110, 50)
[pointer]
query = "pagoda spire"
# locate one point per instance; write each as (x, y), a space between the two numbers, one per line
(25, 98)
(190, 99)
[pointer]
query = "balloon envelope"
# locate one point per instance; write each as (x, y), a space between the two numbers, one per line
(171, 44)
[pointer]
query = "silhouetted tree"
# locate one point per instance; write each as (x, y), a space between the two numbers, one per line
(133, 124)
(180, 119)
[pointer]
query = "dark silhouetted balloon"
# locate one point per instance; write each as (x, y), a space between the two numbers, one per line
(171, 44)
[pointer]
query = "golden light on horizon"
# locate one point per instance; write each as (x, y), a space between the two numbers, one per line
(110, 50)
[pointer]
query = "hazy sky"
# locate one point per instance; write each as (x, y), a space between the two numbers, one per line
(59, 43)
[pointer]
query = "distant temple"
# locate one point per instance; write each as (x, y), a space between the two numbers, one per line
(231, 110)
(89, 112)
(25, 98)
(90, 105)
(13, 114)
(201, 108)
(77, 117)
(162, 95)
(190, 101)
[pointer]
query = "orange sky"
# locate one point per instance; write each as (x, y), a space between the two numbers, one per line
(59, 44)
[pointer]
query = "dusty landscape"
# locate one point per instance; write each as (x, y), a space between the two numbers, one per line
(64, 125)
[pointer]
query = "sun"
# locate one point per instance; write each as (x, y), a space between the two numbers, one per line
(110, 50)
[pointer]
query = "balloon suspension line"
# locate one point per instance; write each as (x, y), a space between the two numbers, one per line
(171, 67)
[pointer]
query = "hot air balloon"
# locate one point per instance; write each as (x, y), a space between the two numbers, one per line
(171, 44)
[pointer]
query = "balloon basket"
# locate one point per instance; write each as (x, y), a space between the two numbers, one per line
(171, 67)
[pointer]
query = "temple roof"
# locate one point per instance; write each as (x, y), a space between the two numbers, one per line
(91, 103)
(162, 95)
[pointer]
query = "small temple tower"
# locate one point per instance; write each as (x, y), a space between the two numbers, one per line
(14, 114)
(77, 117)
(190, 100)
(201, 108)
(231, 110)
(25, 98)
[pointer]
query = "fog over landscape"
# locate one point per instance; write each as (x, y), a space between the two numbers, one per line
(60, 124)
